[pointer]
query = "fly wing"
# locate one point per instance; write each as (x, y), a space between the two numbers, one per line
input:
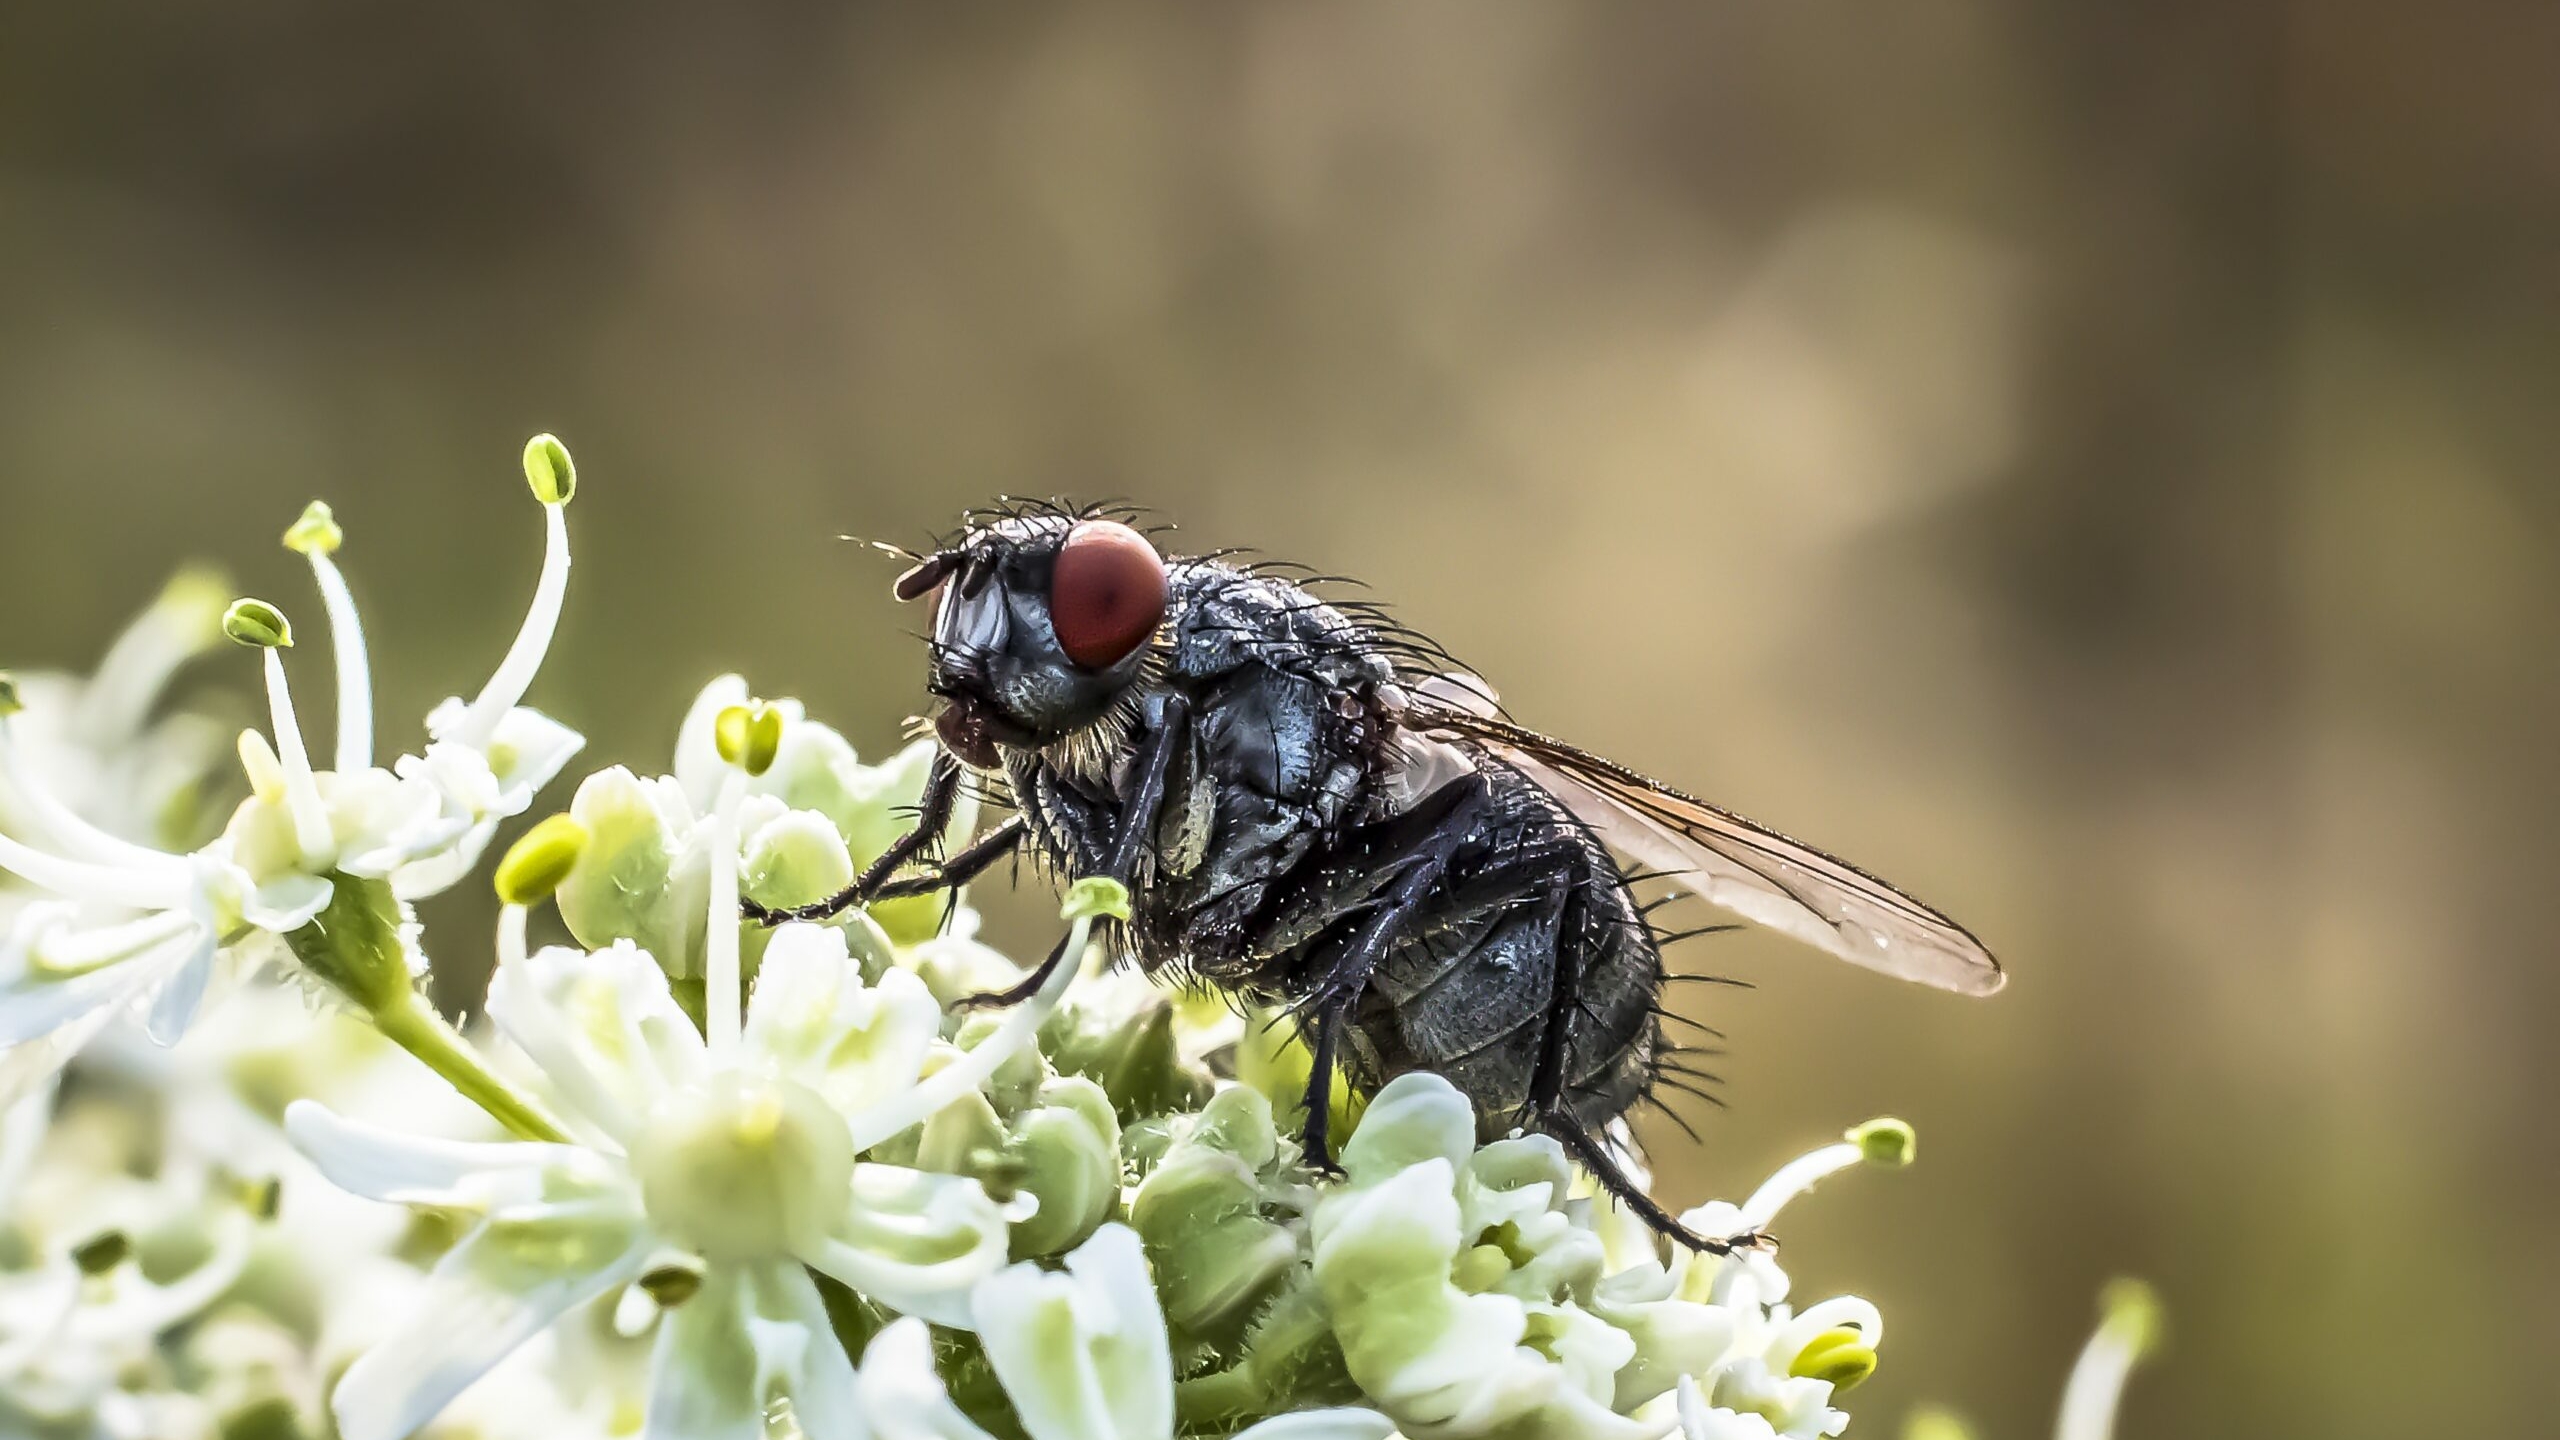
(1728, 861)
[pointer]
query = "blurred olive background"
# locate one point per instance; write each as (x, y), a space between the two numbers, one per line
(2092, 463)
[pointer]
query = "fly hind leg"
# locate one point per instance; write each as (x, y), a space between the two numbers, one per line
(1548, 1112)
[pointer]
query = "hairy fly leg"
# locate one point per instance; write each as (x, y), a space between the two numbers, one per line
(933, 814)
(967, 864)
(1604, 1167)
(1325, 1008)
(1128, 847)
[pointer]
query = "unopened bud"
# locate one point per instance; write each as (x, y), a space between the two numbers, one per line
(316, 533)
(536, 864)
(258, 624)
(548, 469)
(10, 704)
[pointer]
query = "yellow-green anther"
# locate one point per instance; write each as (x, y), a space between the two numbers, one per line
(1093, 897)
(548, 469)
(197, 590)
(10, 704)
(1886, 1141)
(1934, 1425)
(749, 735)
(536, 864)
(1841, 1356)
(2130, 1310)
(261, 1198)
(257, 624)
(316, 533)
(673, 1284)
(102, 1252)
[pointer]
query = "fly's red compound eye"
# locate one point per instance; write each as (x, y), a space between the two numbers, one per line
(1106, 595)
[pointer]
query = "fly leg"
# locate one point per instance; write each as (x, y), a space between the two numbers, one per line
(1137, 826)
(970, 861)
(933, 814)
(1325, 1009)
(1546, 1105)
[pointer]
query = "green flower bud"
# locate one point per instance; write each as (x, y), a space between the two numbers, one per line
(257, 624)
(1095, 897)
(536, 864)
(1069, 1146)
(628, 882)
(102, 1252)
(1841, 1356)
(1886, 1141)
(748, 735)
(1200, 1212)
(1144, 1073)
(794, 859)
(958, 1133)
(548, 469)
(316, 533)
(10, 704)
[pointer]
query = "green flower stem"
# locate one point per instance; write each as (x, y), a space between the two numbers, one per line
(416, 1028)
(354, 946)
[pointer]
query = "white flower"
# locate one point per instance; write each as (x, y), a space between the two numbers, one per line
(1456, 1277)
(139, 925)
(75, 1328)
(736, 1153)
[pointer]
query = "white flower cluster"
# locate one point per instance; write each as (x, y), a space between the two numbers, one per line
(696, 1179)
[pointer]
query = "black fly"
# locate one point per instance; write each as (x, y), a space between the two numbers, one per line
(1310, 808)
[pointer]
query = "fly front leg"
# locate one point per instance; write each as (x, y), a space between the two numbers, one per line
(1326, 1008)
(933, 816)
(1137, 826)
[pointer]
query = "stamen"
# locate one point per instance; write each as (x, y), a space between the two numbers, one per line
(83, 880)
(311, 832)
(355, 671)
(515, 673)
(2128, 1327)
(91, 950)
(972, 1069)
(1795, 1178)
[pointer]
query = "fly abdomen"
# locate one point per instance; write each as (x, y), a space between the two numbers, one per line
(1530, 981)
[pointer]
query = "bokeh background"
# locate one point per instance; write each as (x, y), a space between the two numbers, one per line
(2093, 463)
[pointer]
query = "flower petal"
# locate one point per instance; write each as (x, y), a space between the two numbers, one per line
(603, 1026)
(505, 1283)
(902, 1392)
(752, 1336)
(1349, 1423)
(407, 1169)
(916, 1241)
(812, 1015)
(1082, 1355)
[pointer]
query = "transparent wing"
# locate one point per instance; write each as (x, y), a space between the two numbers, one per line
(1728, 861)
